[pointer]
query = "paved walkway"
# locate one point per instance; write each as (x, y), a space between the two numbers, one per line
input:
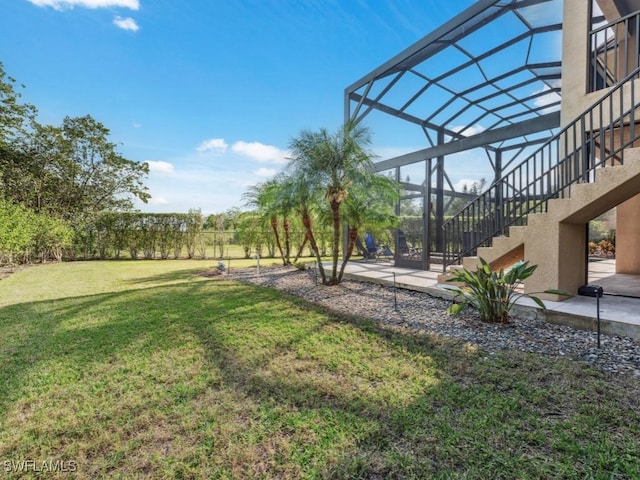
(619, 312)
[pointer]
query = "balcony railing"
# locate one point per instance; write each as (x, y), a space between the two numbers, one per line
(614, 52)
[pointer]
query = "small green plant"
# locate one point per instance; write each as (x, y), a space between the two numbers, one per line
(492, 293)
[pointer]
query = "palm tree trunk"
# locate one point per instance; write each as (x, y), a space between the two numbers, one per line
(306, 221)
(287, 239)
(335, 211)
(353, 236)
(274, 227)
(304, 242)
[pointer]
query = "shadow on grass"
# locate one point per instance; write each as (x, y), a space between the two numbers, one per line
(174, 276)
(380, 403)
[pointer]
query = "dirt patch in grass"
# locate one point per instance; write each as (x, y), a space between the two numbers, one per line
(213, 272)
(9, 270)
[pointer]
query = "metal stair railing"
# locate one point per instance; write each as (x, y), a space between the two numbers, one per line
(596, 138)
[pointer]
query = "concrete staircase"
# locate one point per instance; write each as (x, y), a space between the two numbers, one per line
(552, 236)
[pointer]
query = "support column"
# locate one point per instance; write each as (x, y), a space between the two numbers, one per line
(440, 197)
(497, 194)
(559, 255)
(628, 236)
(426, 212)
(397, 210)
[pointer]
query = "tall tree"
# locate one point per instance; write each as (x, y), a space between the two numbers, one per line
(72, 171)
(14, 116)
(336, 165)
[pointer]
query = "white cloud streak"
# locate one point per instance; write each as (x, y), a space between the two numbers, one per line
(548, 99)
(265, 172)
(127, 23)
(159, 200)
(160, 166)
(68, 4)
(260, 152)
(217, 145)
(463, 182)
(469, 131)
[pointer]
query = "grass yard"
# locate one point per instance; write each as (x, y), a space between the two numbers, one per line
(145, 370)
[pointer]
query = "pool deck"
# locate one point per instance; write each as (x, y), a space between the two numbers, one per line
(619, 310)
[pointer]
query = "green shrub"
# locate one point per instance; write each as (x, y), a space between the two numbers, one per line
(492, 293)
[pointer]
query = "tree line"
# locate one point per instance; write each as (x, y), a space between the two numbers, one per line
(55, 179)
(66, 191)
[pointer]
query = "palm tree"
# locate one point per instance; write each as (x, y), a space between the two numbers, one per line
(267, 198)
(284, 207)
(303, 198)
(333, 166)
(369, 206)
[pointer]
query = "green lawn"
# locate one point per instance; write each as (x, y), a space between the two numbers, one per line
(145, 370)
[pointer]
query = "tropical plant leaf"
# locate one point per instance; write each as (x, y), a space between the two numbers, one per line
(539, 302)
(456, 308)
(562, 293)
(494, 293)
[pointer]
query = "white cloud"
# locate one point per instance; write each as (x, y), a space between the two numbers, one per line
(217, 145)
(137, 125)
(548, 99)
(265, 172)
(468, 132)
(247, 183)
(126, 24)
(260, 152)
(160, 166)
(464, 182)
(460, 184)
(67, 4)
(158, 201)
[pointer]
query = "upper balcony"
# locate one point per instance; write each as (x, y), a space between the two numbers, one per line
(614, 44)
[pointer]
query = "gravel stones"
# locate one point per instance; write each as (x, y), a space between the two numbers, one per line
(422, 312)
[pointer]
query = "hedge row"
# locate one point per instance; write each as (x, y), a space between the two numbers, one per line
(26, 236)
(141, 235)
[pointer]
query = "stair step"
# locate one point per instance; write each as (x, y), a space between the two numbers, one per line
(612, 185)
(518, 232)
(445, 277)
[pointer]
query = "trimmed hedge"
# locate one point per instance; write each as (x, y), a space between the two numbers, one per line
(141, 235)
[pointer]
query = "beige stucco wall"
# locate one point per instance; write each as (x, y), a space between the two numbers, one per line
(628, 237)
(574, 55)
(574, 101)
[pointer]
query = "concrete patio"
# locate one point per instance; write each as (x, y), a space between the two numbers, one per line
(619, 307)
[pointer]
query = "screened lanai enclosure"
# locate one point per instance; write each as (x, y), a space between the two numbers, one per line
(483, 91)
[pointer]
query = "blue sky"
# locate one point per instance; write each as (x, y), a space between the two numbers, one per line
(209, 92)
